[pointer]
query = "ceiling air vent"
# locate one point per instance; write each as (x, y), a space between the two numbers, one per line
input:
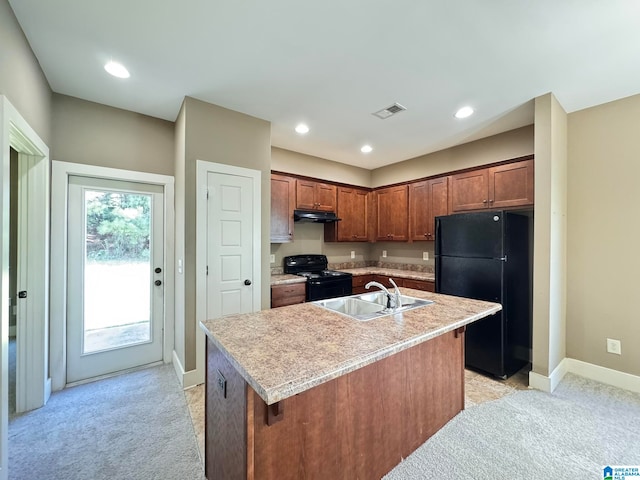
(387, 112)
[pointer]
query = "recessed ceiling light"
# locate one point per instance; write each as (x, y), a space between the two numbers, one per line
(302, 128)
(366, 149)
(116, 69)
(464, 112)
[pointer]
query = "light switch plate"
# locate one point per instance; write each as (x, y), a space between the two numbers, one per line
(272, 258)
(425, 255)
(353, 254)
(384, 254)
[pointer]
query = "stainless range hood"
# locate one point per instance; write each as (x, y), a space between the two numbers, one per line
(314, 216)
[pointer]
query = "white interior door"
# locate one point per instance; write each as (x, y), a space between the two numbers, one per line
(115, 298)
(230, 248)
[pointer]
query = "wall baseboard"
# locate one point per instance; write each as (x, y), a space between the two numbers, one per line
(187, 379)
(600, 374)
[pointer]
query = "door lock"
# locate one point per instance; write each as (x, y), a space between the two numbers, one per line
(22, 294)
(158, 270)
(157, 283)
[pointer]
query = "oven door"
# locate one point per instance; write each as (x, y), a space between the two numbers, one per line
(319, 289)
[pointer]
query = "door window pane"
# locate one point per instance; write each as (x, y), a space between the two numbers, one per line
(117, 270)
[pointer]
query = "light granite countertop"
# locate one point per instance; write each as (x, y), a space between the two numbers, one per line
(288, 350)
(286, 279)
(391, 272)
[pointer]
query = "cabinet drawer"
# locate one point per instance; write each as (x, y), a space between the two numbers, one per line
(358, 283)
(289, 294)
(419, 285)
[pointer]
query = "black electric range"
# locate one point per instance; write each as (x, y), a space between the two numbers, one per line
(321, 283)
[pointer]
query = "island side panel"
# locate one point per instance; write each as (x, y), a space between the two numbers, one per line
(362, 424)
(225, 419)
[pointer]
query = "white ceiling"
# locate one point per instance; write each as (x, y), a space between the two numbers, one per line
(332, 63)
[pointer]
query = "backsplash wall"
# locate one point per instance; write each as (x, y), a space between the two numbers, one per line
(309, 238)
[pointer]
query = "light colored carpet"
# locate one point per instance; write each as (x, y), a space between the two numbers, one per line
(134, 426)
(570, 434)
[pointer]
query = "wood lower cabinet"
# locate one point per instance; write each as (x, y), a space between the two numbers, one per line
(502, 186)
(353, 210)
(287, 294)
(358, 282)
(312, 195)
(425, 285)
(359, 425)
(283, 192)
(392, 214)
(427, 199)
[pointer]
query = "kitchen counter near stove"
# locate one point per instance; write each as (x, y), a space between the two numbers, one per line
(286, 279)
(391, 272)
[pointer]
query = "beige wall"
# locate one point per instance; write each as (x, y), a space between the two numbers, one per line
(179, 203)
(549, 264)
(603, 231)
(21, 78)
(301, 164)
(94, 134)
(215, 134)
(504, 146)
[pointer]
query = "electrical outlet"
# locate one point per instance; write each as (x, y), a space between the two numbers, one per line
(425, 255)
(272, 258)
(614, 346)
(353, 254)
(384, 254)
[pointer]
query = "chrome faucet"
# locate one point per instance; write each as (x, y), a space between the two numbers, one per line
(397, 292)
(397, 303)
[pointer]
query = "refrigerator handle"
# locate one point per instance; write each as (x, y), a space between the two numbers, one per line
(504, 259)
(437, 233)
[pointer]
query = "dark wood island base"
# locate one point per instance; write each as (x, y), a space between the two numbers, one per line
(357, 426)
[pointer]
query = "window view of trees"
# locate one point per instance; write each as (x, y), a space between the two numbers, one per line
(118, 226)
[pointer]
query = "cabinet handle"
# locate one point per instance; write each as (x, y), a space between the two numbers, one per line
(491, 200)
(484, 201)
(427, 234)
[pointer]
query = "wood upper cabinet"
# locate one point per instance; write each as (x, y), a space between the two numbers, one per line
(511, 185)
(283, 192)
(315, 196)
(353, 209)
(427, 200)
(392, 213)
(503, 186)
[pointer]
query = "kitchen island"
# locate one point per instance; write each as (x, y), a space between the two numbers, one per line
(303, 392)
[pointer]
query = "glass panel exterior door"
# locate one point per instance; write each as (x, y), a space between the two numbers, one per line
(115, 265)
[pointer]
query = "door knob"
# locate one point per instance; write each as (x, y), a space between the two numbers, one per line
(158, 270)
(157, 283)
(247, 282)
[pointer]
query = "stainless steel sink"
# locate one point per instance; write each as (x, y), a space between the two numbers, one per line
(380, 298)
(368, 306)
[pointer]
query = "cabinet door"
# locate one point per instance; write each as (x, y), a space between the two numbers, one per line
(352, 209)
(419, 211)
(282, 206)
(305, 195)
(392, 213)
(511, 185)
(325, 197)
(282, 295)
(469, 191)
(427, 200)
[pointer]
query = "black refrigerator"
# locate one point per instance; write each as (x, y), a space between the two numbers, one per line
(486, 256)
